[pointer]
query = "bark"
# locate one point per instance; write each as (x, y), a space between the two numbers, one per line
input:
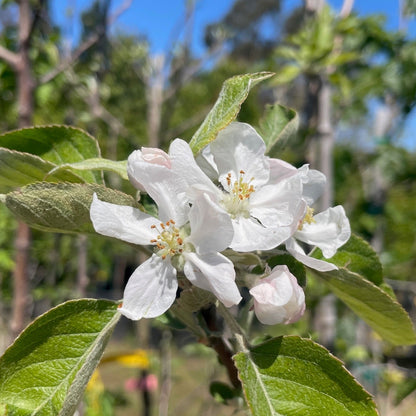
(377, 184)
(155, 82)
(21, 298)
(326, 143)
(25, 87)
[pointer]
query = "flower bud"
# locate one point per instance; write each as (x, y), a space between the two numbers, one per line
(278, 298)
(145, 159)
(156, 156)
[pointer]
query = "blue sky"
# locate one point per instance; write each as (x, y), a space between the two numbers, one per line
(158, 19)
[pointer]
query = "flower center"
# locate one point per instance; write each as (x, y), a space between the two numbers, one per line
(308, 218)
(170, 240)
(236, 201)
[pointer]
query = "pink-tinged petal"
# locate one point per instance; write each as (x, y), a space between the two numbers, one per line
(211, 226)
(297, 252)
(313, 183)
(185, 166)
(215, 273)
(122, 222)
(151, 289)
(250, 235)
(280, 170)
(163, 186)
(156, 157)
(278, 298)
(238, 148)
(329, 231)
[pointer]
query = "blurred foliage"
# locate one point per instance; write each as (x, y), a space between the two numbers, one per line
(104, 92)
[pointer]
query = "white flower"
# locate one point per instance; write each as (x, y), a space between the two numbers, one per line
(186, 238)
(327, 230)
(260, 194)
(278, 298)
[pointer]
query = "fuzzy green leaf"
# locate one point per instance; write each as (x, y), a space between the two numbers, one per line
(376, 307)
(233, 93)
(61, 207)
(119, 167)
(294, 376)
(357, 256)
(56, 144)
(278, 125)
(45, 371)
(19, 169)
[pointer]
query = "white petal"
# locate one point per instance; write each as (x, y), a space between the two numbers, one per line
(165, 187)
(279, 170)
(278, 298)
(283, 197)
(185, 166)
(205, 160)
(313, 183)
(122, 222)
(297, 252)
(250, 235)
(151, 289)
(215, 273)
(330, 231)
(211, 226)
(239, 148)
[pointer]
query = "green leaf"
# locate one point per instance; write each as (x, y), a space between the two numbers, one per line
(294, 376)
(56, 144)
(19, 169)
(221, 392)
(372, 304)
(278, 125)
(295, 267)
(357, 256)
(233, 93)
(61, 207)
(404, 389)
(45, 371)
(119, 167)
(288, 73)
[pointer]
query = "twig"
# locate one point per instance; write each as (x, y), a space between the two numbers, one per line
(235, 328)
(124, 6)
(10, 57)
(66, 63)
(218, 344)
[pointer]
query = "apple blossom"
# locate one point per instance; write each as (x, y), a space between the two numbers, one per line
(278, 298)
(186, 238)
(327, 230)
(260, 205)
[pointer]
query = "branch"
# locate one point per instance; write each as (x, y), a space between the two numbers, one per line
(9, 57)
(66, 63)
(124, 6)
(346, 8)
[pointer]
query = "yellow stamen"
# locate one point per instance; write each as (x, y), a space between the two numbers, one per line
(308, 218)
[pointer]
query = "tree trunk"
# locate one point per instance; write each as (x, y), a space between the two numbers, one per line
(21, 298)
(25, 87)
(326, 144)
(154, 93)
